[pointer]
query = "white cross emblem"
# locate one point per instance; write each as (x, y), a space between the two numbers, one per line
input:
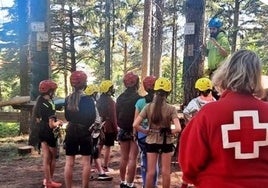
(256, 141)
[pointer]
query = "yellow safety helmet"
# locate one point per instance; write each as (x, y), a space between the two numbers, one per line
(203, 84)
(105, 85)
(90, 89)
(162, 83)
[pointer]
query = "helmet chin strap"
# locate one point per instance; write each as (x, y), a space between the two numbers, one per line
(111, 92)
(214, 35)
(51, 95)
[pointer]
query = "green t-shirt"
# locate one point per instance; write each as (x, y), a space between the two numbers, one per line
(214, 56)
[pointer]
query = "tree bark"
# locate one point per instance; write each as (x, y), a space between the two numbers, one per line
(174, 54)
(193, 60)
(146, 38)
(236, 29)
(158, 39)
(107, 40)
(38, 50)
(72, 47)
(24, 68)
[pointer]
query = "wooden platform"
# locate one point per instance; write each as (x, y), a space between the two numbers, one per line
(15, 116)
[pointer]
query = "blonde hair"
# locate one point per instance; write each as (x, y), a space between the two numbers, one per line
(73, 100)
(241, 73)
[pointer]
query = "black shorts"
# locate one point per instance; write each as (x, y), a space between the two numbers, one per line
(46, 135)
(77, 140)
(159, 148)
(109, 139)
(125, 135)
(75, 148)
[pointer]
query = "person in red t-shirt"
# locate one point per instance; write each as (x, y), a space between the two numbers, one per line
(226, 143)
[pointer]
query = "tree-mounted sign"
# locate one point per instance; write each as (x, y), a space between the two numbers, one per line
(37, 26)
(42, 36)
(189, 28)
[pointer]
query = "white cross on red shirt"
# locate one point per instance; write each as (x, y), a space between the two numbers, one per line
(246, 135)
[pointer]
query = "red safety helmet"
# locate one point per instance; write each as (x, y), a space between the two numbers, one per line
(78, 79)
(47, 85)
(130, 79)
(148, 82)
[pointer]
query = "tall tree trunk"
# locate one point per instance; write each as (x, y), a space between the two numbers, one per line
(107, 40)
(236, 29)
(72, 47)
(193, 61)
(158, 39)
(125, 52)
(174, 54)
(24, 68)
(64, 47)
(146, 39)
(152, 61)
(39, 56)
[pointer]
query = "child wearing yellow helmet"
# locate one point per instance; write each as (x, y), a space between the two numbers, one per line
(97, 136)
(106, 108)
(159, 140)
(204, 88)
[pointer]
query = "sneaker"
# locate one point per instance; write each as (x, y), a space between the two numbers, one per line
(130, 187)
(53, 184)
(104, 177)
(44, 181)
(93, 170)
(107, 170)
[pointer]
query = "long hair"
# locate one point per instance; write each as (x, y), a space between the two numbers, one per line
(160, 98)
(73, 100)
(241, 73)
(149, 97)
(36, 107)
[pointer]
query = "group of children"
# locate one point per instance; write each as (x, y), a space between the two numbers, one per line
(91, 115)
(142, 124)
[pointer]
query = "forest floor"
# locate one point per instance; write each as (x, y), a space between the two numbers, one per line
(25, 171)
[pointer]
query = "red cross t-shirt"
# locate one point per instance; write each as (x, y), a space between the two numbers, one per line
(226, 144)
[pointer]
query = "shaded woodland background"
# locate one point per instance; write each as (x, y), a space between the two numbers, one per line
(108, 38)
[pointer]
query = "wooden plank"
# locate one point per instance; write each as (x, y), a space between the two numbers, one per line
(15, 101)
(15, 116)
(9, 116)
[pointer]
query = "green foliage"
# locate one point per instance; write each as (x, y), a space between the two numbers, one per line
(126, 34)
(252, 26)
(8, 129)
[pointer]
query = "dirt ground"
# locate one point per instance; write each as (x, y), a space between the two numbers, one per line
(18, 171)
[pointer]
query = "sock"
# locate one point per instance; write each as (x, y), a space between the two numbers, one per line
(130, 184)
(124, 182)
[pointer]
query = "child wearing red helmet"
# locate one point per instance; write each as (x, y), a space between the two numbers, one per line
(148, 84)
(44, 114)
(125, 110)
(81, 114)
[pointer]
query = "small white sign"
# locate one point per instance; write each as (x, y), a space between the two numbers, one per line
(37, 26)
(189, 28)
(42, 36)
